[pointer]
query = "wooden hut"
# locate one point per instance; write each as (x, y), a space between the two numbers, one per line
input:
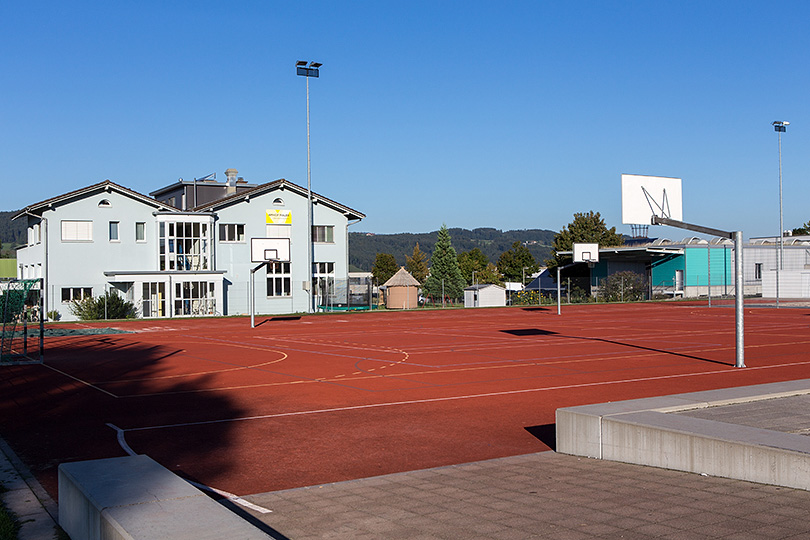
(402, 291)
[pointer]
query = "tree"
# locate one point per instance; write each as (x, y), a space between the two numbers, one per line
(445, 275)
(472, 261)
(385, 266)
(626, 286)
(417, 264)
(489, 274)
(586, 228)
(804, 229)
(512, 262)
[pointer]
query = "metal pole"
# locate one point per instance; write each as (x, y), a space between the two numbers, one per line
(709, 270)
(310, 247)
(779, 252)
(559, 292)
(41, 319)
(252, 299)
(738, 301)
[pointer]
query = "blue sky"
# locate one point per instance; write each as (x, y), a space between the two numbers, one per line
(510, 115)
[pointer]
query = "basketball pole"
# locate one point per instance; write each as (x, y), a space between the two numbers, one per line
(253, 295)
(738, 278)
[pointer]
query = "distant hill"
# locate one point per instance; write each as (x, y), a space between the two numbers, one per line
(363, 247)
(12, 232)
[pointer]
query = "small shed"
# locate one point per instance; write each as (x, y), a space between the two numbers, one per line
(484, 295)
(402, 291)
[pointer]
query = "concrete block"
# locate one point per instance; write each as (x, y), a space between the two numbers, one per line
(133, 498)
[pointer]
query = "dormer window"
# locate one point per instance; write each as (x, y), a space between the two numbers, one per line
(104, 203)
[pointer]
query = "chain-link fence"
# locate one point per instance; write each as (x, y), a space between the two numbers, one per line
(354, 293)
(22, 335)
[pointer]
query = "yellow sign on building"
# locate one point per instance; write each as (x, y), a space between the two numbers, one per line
(279, 217)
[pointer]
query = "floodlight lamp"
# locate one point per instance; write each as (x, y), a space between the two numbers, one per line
(315, 65)
(301, 63)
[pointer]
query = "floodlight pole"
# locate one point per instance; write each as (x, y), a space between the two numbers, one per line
(780, 126)
(738, 268)
(309, 71)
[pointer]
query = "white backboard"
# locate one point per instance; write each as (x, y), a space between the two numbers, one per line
(586, 253)
(645, 196)
(269, 249)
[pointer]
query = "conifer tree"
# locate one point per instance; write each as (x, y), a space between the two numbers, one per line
(444, 271)
(417, 264)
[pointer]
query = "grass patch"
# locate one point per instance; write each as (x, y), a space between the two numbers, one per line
(9, 526)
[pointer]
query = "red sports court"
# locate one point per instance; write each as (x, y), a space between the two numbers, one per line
(308, 400)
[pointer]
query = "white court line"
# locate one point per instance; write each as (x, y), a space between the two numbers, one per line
(230, 496)
(454, 398)
(91, 385)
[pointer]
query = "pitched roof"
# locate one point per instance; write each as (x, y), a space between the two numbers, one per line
(279, 184)
(106, 185)
(402, 278)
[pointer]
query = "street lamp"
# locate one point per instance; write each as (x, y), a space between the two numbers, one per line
(302, 69)
(779, 126)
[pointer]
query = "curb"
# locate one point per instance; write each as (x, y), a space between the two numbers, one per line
(34, 509)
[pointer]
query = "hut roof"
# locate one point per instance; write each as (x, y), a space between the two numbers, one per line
(402, 278)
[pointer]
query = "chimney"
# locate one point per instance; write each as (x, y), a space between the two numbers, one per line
(231, 181)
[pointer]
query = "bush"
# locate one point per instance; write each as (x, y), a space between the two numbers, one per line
(624, 286)
(110, 304)
(53, 315)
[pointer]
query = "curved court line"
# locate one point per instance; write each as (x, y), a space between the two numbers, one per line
(230, 496)
(284, 356)
(574, 359)
(455, 398)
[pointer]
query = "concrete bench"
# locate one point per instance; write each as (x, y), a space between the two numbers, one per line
(134, 498)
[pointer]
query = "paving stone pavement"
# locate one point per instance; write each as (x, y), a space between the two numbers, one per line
(25, 497)
(543, 495)
(786, 414)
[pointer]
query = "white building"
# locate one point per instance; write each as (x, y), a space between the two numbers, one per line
(196, 261)
(484, 295)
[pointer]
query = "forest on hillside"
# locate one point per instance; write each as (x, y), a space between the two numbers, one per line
(363, 247)
(12, 234)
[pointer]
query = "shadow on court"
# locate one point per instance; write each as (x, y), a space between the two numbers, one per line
(538, 308)
(526, 332)
(546, 434)
(529, 332)
(280, 319)
(59, 411)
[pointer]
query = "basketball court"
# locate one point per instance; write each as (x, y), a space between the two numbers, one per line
(300, 401)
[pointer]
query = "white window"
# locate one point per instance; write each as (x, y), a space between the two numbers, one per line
(153, 302)
(278, 279)
(323, 234)
(757, 270)
(140, 232)
(279, 231)
(324, 281)
(76, 293)
(114, 231)
(278, 201)
(194, 298)
(77, 231)
(231, 232)
(183, 245)
(104, 203)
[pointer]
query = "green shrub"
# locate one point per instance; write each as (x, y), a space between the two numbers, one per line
(53, 315)
(109, 306)
(624, 286)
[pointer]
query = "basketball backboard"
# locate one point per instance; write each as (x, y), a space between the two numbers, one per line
(588, 253)
(269, 249)
(646, 196)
